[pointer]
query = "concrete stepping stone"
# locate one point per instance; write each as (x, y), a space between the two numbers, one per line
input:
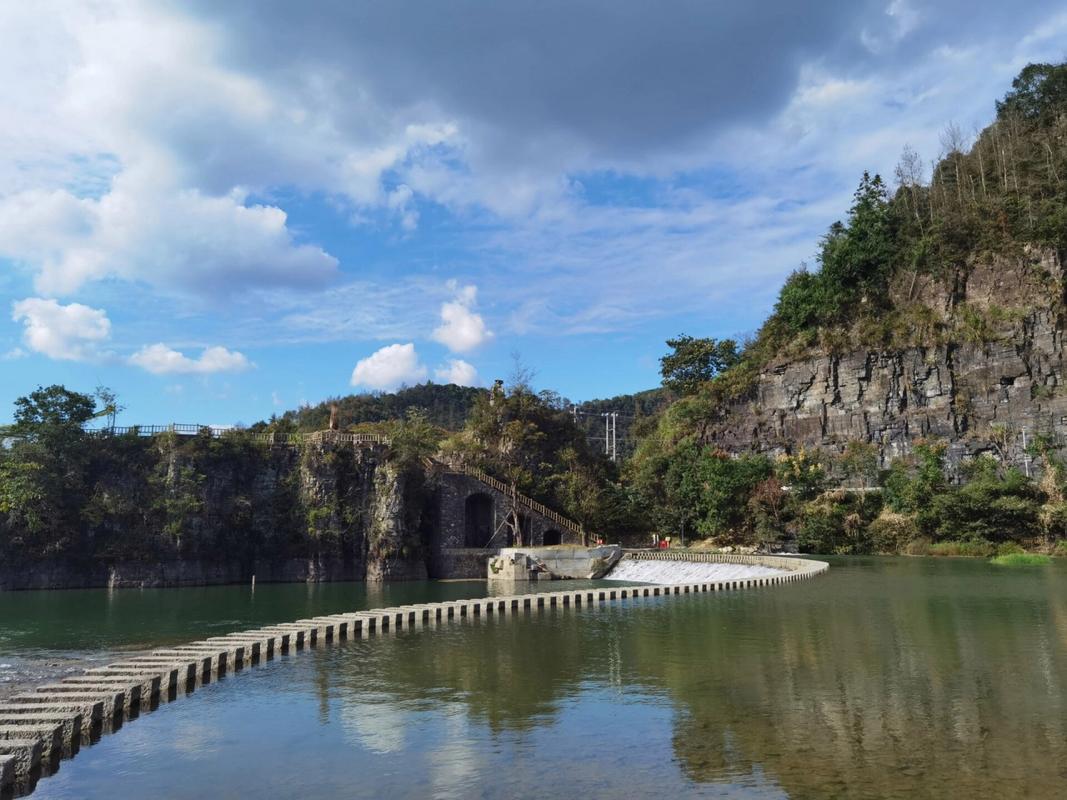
(50, 735)
(111, 703)
(70, 722)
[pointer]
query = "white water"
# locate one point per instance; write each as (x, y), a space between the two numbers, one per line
(669, 572)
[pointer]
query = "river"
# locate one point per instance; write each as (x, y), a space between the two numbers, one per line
(887, 677)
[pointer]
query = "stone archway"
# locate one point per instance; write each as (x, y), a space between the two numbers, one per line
(477, 520)
(551, 537)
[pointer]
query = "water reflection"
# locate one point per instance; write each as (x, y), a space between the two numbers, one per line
(889, 678)
(886, 678)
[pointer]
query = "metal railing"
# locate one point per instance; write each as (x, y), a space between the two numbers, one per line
(217, 432)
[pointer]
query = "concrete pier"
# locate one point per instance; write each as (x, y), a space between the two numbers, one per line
(55, 719)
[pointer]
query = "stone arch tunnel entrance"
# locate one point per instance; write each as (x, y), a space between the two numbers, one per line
(552, 537)
(477, 520)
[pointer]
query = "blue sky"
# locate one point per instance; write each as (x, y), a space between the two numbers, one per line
(226, 210)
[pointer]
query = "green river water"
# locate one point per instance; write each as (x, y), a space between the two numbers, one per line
(887, 677)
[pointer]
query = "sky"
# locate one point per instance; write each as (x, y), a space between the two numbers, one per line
(226, 210)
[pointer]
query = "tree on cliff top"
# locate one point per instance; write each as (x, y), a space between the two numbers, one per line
(696, 361)
(42, 476)
(856, 262)
(52, 409)
(1039, 91)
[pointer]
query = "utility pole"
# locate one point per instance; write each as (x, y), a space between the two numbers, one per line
(1026, 455)
(611, 449)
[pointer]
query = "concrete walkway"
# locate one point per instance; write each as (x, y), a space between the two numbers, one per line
(39, 728)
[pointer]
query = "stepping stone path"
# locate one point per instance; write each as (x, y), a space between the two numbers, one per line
(40, 728)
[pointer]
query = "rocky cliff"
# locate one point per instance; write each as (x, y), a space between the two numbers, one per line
(986, 376)
(174, 511)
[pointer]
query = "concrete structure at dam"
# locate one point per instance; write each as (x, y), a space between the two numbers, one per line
(40, 728)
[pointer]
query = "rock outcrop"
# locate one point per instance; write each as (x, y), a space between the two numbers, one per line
(991, 376)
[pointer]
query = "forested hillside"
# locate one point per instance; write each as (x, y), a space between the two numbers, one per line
(923, 358)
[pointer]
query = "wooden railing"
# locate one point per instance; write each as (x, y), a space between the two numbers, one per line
(529, 502)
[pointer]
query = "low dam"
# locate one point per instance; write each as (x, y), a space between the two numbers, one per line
(38, 729)
(668, 567)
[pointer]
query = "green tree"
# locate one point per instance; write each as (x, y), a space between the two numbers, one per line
(696, 361)
(723, 486)
(44, 473)
(1038, 92)
(912, 484)
(857, 258)
(51, 411)
(414, 438)
(859, 462)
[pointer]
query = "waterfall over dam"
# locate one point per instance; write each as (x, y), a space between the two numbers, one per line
(669, 572)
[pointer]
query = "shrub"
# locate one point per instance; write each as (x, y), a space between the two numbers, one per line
(891, 532)
(912, 483)
(918, 547)
(973, 548)
(1022, 560)
(725, 486)
(803, 472)
(988, 507)
(1054, 519)
(837, 522)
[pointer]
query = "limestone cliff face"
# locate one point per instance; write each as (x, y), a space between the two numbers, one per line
(190, 512)
(994, 369)
(395, 548)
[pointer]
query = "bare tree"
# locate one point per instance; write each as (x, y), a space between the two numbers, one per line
(909, 175)
(953, 144)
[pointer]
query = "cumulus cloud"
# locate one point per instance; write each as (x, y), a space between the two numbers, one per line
(389, 367)
(71, 332)
(145, 229)
(162, 360)
(461, 329)
(457, 371)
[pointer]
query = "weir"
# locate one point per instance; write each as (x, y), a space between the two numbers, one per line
(669, 567)
(40, 729)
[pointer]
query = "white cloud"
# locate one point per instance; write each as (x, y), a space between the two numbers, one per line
(461, 328)
(146, 229)
(160, 144)
(14, 354)
(162, 360)
(457, 371)
(72, 332)
(389, 367)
